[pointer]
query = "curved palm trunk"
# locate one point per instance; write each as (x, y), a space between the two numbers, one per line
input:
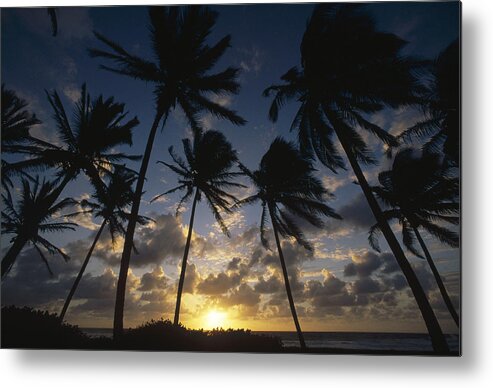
(81, 272)
(286, 283)
(437, 338)
(176, 321)
(14, 250)
(438, 278)
(129, 235)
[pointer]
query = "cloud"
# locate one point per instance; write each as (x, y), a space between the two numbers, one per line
(366, 285)
(154, 280)
(243, 295)
(251, 59)
(218, 284)
(157, 242)
(192, 279)
(272, 285)
(333, 183)
(357, 213)
(209, 121)
(363, 265)
(72, 92)
(30, 284)
(221, 283)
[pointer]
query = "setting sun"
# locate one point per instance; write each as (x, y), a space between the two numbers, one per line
(215, 319)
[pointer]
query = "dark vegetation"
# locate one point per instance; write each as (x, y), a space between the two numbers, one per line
(35, 329)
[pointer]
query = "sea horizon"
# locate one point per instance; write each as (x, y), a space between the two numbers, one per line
(361, 341)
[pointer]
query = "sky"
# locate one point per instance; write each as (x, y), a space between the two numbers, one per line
(232, 282)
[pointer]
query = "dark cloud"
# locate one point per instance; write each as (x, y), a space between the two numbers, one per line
(272, 285)
(192, 279)
(222, 282)
(366, 285)
(243, 295)
(397, 282)
(218, 284)
(159, 241)
(154, 280)
(356, 215)
(30, 284)
(363, 265)
(389, 263)
(98, 287)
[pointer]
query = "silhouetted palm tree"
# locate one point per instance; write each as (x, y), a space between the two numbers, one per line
(32, 216)
(285, 178)
(442, 107)
(16, 124)
(350, 70)
(109, 204)
(206, 171)
(421, 193)
(86, 143)
(181, 77)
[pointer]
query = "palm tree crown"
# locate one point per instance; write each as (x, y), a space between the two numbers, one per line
(33, 216)
(420, 192)
(349, 70)
(182, 62)
(16, 120)
(285, 178)
(16, 125)
(111, 204)
(442, 106)
(87, 142)
(206, 168)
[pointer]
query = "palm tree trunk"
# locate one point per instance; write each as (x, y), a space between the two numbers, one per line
(437, 338)
(286, 283)
(81, 272)
(129, 235)
(438, 278)
(14, 250)
(184, 261)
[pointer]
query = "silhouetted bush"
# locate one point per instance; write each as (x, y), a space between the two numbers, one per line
(163, 335)
(28, 328)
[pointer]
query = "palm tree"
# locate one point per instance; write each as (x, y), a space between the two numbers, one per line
(109, 204)
(32, 217)
(421, 194)
(16, 124)
(285, 177)
(206, 171)
(181, 76)
(350, 70)
(86, 143)
(442, 107)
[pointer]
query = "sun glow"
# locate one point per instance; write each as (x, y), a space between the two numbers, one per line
(215, 319)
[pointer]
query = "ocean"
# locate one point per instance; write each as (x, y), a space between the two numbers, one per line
(343, 340)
